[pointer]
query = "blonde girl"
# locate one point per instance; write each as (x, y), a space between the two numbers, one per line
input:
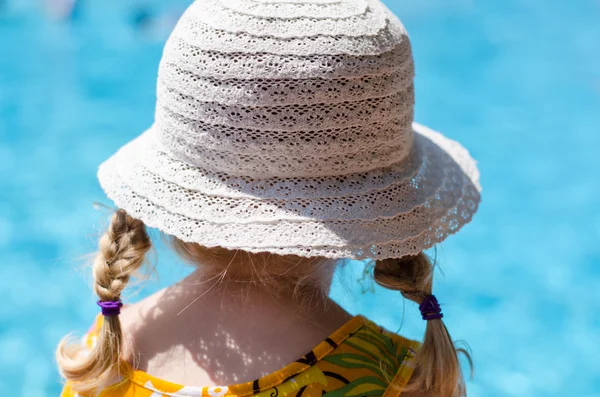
(283, 143)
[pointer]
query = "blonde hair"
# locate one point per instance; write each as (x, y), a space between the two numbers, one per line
(122, 250)
(437, 366)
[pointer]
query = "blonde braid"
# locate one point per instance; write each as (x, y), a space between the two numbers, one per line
(122, 251)
(437, 367)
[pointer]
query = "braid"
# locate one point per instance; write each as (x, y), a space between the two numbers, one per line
(438, 369)
(122, 251)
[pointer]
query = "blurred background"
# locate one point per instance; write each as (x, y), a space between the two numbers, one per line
(516, 81)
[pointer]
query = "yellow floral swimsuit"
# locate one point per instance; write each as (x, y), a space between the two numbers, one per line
(359, 359)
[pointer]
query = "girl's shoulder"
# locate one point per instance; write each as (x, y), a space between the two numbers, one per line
(378, 362)
(360, 357)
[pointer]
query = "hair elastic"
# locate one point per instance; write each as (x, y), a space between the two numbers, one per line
(430, 308)
(110, 308)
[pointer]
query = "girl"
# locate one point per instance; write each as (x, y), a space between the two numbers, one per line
(283, 142)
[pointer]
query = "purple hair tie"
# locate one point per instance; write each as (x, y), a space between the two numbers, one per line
(110, 308)
(430, 308)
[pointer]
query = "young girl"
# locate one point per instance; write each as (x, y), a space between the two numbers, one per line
(283, 142)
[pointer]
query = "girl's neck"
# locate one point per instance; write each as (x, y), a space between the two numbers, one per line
(230, 320)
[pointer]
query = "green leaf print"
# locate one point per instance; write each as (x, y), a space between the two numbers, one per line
(350, 360)
(403, 354)
(384, 360)
(384, 343)
(366, 386)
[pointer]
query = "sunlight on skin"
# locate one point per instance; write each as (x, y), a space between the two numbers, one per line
(243, 345)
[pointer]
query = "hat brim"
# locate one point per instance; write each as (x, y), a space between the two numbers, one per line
(384, 213)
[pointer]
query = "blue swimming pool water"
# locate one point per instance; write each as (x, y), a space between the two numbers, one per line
(518, 82)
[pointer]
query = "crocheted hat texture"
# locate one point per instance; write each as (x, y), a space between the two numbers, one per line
(286, 126)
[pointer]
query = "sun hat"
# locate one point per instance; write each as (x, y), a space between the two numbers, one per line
(286, 126)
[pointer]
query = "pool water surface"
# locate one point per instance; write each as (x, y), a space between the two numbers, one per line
(517, 82)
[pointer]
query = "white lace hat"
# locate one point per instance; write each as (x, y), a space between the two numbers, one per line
(286, 126)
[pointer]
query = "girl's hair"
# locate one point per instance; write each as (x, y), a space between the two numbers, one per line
(123, 249)
(270, 271)
(437, 367)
